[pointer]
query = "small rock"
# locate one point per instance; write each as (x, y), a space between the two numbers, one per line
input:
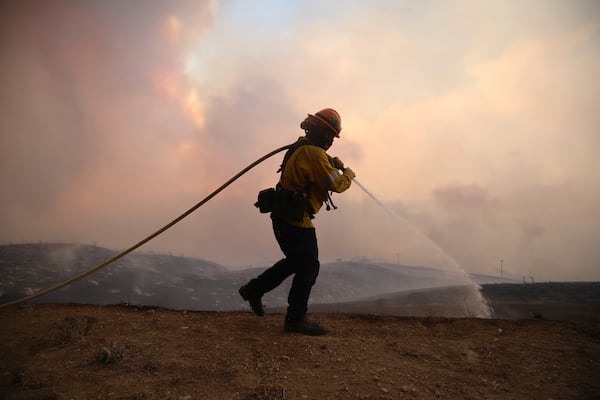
(110, 354)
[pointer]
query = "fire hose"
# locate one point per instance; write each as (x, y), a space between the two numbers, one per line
(150, 237)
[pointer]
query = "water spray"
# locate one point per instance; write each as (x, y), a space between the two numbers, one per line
(416, 231)
(484, 311)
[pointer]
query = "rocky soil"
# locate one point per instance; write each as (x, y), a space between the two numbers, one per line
(117, 352)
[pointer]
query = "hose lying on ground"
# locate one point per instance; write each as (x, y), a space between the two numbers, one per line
(147, 239)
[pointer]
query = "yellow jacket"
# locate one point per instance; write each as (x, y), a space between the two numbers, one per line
(309, 169)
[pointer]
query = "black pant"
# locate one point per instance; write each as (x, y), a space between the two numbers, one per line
(299, 245)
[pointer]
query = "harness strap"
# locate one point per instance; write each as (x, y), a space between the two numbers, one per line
(288, 154)
(329, 205)
(295, 146)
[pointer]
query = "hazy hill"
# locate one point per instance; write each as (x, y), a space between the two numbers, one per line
(138, 278)
(188, 283)
(176, 282)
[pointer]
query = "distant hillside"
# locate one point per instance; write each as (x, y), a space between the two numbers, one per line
(176, 282)
(27, 268)
(188, 283)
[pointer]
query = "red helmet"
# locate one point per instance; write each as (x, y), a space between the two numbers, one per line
(330, 118)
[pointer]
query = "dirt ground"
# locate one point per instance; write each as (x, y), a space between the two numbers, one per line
(117, 352)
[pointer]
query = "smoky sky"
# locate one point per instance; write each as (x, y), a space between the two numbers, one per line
(475, 124)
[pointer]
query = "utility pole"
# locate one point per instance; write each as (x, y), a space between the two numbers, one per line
(501, 268)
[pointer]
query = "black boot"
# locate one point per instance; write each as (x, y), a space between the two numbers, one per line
(305, 327)
(253, 298)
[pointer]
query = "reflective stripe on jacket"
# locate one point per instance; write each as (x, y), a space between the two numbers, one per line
(310, 170)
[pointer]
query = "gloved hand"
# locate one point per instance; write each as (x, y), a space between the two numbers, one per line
(337, 163)
(349, 173)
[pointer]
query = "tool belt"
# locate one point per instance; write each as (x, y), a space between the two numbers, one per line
(287, 204)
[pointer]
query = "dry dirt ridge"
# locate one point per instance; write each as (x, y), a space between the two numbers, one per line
(118, 352)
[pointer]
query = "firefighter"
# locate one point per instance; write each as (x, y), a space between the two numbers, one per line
(308, 173)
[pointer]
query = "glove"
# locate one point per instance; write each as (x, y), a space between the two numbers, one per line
(337, 163)
(349, 173)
